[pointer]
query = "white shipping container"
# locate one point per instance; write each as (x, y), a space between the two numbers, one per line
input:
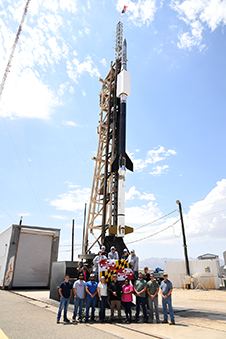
(205, 272)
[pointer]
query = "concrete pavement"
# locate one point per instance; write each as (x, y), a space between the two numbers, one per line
(194, 319)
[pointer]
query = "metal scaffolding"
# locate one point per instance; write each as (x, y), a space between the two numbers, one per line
(102, 212)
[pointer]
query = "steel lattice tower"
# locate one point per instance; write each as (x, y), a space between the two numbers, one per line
(102, 212)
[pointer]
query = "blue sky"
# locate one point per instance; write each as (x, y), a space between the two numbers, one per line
(175, 118)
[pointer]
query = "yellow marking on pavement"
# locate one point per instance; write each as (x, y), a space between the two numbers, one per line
(2, 335)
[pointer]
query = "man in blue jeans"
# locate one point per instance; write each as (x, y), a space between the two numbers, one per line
(79, 293)
(140, 287)
(91, 292)
(65, 291)
(166, 289)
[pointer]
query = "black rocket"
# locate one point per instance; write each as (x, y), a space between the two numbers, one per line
(122, 161)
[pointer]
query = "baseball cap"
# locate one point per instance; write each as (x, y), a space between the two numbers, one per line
(125, 250)
(132, 250)
(112, 247)
(115, 275)
(165, 274)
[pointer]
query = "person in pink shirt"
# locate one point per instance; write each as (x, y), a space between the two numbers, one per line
(127, 298)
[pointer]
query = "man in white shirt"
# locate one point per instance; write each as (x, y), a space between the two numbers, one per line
(79, 296)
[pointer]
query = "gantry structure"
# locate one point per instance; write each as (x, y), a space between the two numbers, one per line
(102, 211)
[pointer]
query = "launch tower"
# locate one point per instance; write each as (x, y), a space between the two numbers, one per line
(102, 218)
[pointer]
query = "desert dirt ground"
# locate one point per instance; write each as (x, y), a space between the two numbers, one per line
(208, 295)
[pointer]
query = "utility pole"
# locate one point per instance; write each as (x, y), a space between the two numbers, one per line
(72, 240)
(184, 239)
(84, 245)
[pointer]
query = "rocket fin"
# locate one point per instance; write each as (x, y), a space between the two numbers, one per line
(129, 164)
(114, 166)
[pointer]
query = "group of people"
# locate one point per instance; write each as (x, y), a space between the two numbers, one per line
(145, 288)
(131, 258)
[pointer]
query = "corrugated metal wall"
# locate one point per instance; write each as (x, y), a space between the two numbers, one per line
(33, 260)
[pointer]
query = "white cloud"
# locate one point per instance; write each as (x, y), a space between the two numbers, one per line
(208, 216)
(132, 192)
(24, 214)
(140, 215)
(159, 154)
(147, 196)
(205, 220)
(31, 97)
(62, 89)
(70, 123)
(71, 185)
(104, 62)
(199, 15)
(158, 170)
(75, 68)
(140, 12)
(60, 217)
(153, 156)
(72, 201)
(42, 47)
(71, 90)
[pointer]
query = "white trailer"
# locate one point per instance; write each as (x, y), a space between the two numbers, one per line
(26, 256)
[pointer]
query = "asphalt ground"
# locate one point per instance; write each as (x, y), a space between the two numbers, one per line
(31, 314)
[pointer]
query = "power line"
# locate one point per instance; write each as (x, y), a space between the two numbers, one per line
(25, 173)
(73, 143)
(70, 250)
(7, 214)
(151, 235)
(152, 222)
(91, 132)
(206, 215)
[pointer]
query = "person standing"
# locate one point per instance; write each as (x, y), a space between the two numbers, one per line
(113, 255)
(85, 272)
(133, 260)
(91, 292)
(115, 290)
(79, 296)
(103, 294)
(152, 291)
(65, 291)
(146, 275)
(96, 261)
(103, 249)
(125, 254)
(166, 289)
(140, 287)
(127, 298)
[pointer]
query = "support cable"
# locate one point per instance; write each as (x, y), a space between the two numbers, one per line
(151, 235)
(7, 214)
(25, 173)
(152, 222)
